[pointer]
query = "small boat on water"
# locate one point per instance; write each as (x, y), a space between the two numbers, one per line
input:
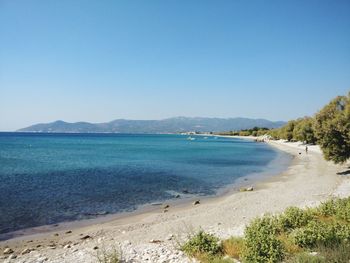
(191, 138)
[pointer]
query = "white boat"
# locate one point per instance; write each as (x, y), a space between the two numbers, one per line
(191, 138)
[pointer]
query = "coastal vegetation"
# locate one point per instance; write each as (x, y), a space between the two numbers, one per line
(109, 256)
(320, 234)
(332, 129)
(329, 128)
(202, 244)
(256, 131)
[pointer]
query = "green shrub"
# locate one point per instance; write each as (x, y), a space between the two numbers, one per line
(327, 208)
(285, 238)
(342, 231)
(261, 242)
(343, 209)
(294, 217)
(321, 233)
(202, 243)
(109, 256)
(340, 208)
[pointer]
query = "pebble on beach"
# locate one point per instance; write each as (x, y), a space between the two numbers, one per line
(8, 251)
(246, 189)
(155, 241)
(25, 251)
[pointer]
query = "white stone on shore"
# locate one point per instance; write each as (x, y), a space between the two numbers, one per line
(25, 251)
(42, 259)
(8, 251)
(155, 241)
(127, 243)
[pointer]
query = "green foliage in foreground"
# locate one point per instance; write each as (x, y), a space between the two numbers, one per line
(289, 237)
(339, 208)
(321, 233)
(202, 243)
(261, 242)
(294, 217)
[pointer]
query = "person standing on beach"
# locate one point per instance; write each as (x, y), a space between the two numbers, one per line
(306, 149)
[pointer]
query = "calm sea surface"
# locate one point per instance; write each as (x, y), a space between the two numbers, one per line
(51, 178)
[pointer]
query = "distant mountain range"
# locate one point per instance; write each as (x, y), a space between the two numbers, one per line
(170, 125)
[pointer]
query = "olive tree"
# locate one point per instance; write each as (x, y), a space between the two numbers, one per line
(304, 130)
(287, 130)
(332, 128)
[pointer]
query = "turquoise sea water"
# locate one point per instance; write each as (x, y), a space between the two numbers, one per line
(51, 178)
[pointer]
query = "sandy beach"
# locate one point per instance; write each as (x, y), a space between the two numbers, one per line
(153, 236)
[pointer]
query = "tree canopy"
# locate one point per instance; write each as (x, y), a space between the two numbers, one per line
(332, 128)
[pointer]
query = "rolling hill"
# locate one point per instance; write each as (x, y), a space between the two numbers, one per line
(170, 125)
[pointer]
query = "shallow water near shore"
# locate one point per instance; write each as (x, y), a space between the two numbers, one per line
(52, 178)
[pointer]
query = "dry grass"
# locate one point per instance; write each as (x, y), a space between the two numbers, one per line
(233, 247)
(325, 219)
(290, 247)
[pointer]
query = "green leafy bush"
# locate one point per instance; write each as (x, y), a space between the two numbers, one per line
(327, 208)
(343, 209)
(109, 256)
(322, 233)
(342, 231)
(286, 238)
(294, 217)
(261, 242)
(332, 129)
(340, 208)
(202, 243)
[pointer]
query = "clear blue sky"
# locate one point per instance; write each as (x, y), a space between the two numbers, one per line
(102, 60)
